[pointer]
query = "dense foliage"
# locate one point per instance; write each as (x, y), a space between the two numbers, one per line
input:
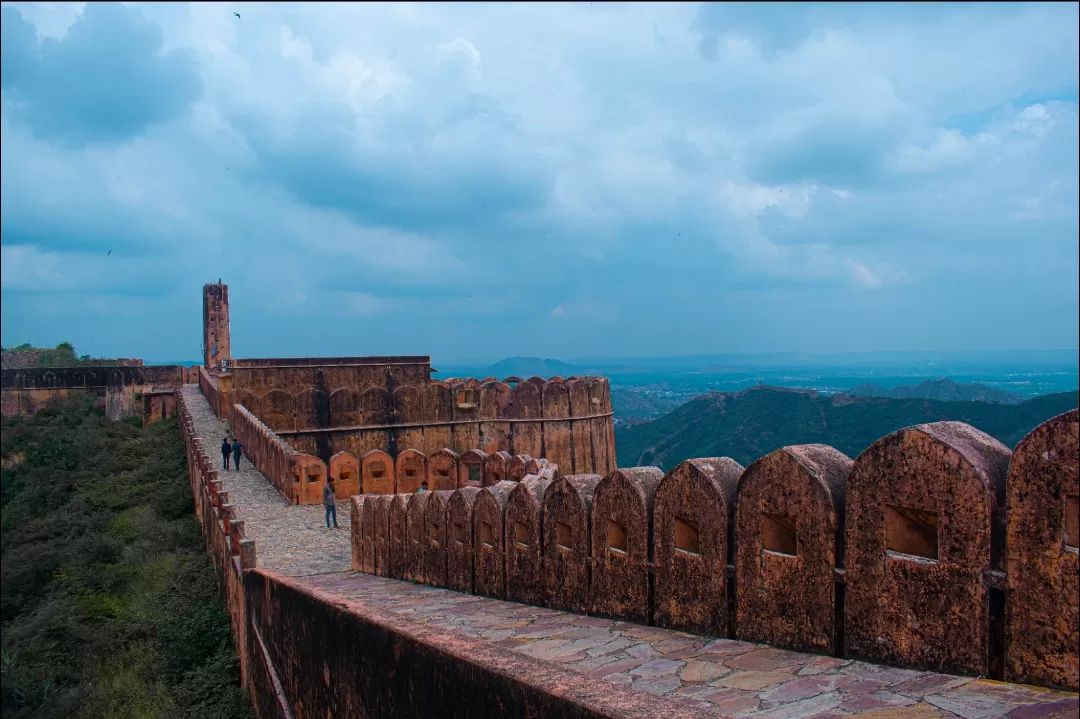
(63, 355)
(750, 424)
(109, 605)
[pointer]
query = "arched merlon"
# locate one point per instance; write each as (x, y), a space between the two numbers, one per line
(1042, 624)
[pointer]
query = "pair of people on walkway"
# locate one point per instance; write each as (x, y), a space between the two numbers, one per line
(234, 448)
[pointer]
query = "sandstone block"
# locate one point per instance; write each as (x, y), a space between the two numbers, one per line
(621, 519)
(693, 542)
(522, 529)
(565, 518)
(921, 506)
(789, 519)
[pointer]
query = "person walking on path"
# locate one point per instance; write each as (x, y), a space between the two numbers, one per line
(226, 450)
(237, 448)
(329, 503)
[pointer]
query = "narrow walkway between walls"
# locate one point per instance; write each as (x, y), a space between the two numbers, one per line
(732, 677)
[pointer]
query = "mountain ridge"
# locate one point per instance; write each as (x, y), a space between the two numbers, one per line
(750, 423)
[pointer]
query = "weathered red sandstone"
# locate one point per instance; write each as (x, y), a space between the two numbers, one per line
(693, 542)
(565, 518)
(378, 473)
(789, 523)
(345, 469)
(621, 522)
(416, 534)
(459, 539)
(367, 535)
(411, 471)
(522, 528)
(443, 470)
(495, 467)
(398, 548)
(489, 560)
(1042, 628)
(381, 533)
(471, 468)
(922, 505)
(435, 537)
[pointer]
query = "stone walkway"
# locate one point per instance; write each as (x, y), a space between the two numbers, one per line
(291, 539)
(736, 678)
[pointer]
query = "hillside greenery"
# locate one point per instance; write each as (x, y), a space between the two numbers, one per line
(749, 424)
(108, 602)
(63, 355)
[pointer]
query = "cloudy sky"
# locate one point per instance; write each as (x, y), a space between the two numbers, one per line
(478, 181)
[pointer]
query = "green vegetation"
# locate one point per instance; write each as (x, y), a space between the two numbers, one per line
(109, 605)
(750, 424)
(63, 355)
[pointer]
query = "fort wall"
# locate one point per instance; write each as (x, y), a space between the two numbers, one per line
(899, 556)
(118, 390)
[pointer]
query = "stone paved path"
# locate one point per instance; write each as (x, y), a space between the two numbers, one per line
(291, 539)
(736, 678)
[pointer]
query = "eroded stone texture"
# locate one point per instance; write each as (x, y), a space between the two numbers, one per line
(410, 471)
(398, 548)
(693, 527)
(565, 519)
(495, 466)
(345, 469)
(443, 470)
(309, 478)
(416, 535)
(435, 536)
(518, 467)
(381, 533)
(788, 536)
(459, 539)
(367, 535)
(378, 473)
(356, 507)
(921, 504)
(489, 560)
(522, 526)
(471, 468)
(621, 518)
(1042, 629)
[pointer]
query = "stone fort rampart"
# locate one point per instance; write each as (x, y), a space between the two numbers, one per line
(322, 407)
(936, 548)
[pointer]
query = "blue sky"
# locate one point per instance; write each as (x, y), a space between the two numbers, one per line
(480, 181)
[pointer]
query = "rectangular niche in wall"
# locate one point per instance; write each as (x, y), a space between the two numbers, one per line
(459, 533)
(911, 531)
(564, 536)
(487, 534)
(686, 536)
(616, 537)
(1072, 521)
(779, 534)
(521, 534)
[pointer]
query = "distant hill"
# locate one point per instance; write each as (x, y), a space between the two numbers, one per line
(943, 390)
(630, 404)
(526, 367)
(749, 424)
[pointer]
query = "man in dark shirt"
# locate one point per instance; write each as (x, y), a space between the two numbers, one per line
(237, 448)
(226, 450)
(329, 503)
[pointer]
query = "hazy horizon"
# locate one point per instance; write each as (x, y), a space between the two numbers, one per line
(576, 180)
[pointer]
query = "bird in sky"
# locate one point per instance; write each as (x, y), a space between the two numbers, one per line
(237, 15)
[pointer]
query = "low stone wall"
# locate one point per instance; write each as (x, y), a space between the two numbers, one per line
(918, 521)
(118, 390)
(311, 646)
(230, 550)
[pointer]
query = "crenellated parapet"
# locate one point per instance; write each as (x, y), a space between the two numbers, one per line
(935, 549)
(570, 422)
